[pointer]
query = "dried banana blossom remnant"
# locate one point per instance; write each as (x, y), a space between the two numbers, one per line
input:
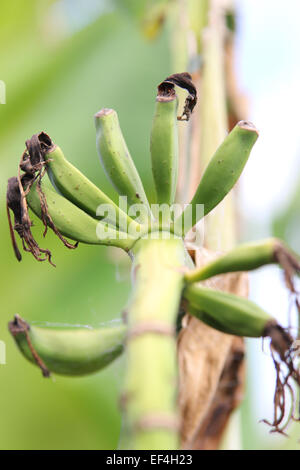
(164, 145)
(22, 222)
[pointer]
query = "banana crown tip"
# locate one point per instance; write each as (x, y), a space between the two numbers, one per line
(248, 126)
(104, 112)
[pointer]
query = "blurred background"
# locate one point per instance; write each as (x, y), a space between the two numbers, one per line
(62, 61)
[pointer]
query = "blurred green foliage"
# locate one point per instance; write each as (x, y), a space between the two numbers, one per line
(57, 77)
(59, 69)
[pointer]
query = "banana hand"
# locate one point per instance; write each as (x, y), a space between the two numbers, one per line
(73, 222)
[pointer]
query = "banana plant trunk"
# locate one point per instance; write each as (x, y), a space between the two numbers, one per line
(150, 391)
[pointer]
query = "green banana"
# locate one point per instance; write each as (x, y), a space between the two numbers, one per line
(247, 257)
(116, 160)
(244, 257)
(72, 184)
(74, 223)
(68, 350)
(164, 147)
(220, 175)
(227, 312)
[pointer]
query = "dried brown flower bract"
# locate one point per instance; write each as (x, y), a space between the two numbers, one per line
(183, 80)
(22, 222)
(33, 165)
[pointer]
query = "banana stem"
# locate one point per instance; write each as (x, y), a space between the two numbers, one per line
(149, 398)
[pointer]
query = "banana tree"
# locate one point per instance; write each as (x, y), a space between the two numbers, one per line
(165, 280)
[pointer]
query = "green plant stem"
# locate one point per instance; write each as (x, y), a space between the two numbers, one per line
(149, 398)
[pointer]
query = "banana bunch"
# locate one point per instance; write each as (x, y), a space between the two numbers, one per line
(73, 222)
(68, 350)
(73, 207)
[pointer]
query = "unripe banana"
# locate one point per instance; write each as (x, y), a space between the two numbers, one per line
(68, 350)
(221, 173)
(74, 223)
(164, 147)
(249, 256)
(72, 184)
(116, 160)
(244, 257)
(228, 312)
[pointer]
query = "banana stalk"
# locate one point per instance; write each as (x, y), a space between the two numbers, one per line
(117, 162)
(149, 397)
(68, 351)
(221, 174)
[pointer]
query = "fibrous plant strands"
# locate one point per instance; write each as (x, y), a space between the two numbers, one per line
(37, 146)
(22, 222)
(287, 374)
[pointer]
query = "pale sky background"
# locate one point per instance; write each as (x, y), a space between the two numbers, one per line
(268, 65)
